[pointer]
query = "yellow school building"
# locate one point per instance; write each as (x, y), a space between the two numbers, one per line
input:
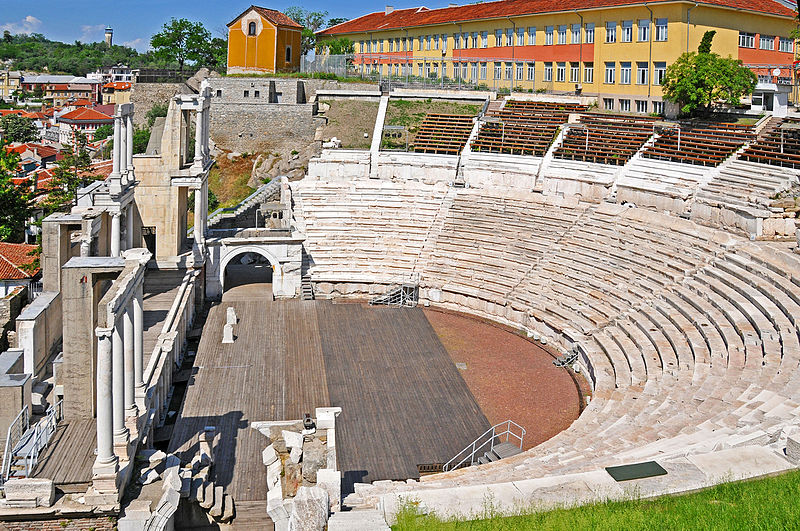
(263, 41)
(615, 49)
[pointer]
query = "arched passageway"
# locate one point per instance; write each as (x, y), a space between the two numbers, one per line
(249, 275)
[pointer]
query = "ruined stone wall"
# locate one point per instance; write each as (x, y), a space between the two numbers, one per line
(97, 523)
(10, 307)
(145, 95)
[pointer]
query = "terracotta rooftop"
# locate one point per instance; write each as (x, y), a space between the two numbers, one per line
(42, 150)
(12, 257)
(276, 17)
(84, 114)
(118, 85)
(422, 16)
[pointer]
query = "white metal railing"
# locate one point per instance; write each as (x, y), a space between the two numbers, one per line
(42, 433)
(499, 433)
(14, 434)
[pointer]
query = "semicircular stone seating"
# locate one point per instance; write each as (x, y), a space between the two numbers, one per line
(689, 334)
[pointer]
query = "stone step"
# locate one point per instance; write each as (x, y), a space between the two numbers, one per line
(357, 520)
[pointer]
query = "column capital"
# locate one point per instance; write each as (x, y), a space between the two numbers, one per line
(103, 332)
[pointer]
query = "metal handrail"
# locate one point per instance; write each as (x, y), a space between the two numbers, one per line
(469, 453)
(43, 432)
(14, 433)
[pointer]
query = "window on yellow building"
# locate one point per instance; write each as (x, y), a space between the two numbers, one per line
(485, 39)
(642, 73)
(590, 33)
(561, 72)
(548, 35)
(473, 43)
(519, 71)
(562, 34)
(625, 73)
(658, 107)
(644, 30)
(474, 71)
(576, 34)
(661, 29)
(498, 38)
(588, 72)
(498, 70)
(766, 42)
(641, 106)
(509, 36)
(659, 71)
(532, 36)
(625, 105)
(574, 72)
(548, 72)
(483, 70)
(611, 32)
(611, 73)
(627, 31)
(251, 29)
(509, 70)
(531, 71)
(456, 39)
(520, 36)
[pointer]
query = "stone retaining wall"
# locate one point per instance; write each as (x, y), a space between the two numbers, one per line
(10, 307)
(145, 95)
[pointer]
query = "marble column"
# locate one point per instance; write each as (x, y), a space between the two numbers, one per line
(86, 247)
(118, 385)
(138, 337)
(198, 133)
(128, 344)
(129, 145)
(198, 216)
(115, 233)
(116, 154)
(105, 428)
(129, 225)
(123, 149)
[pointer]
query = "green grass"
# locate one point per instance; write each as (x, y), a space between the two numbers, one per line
(410, 113)
(768, 504)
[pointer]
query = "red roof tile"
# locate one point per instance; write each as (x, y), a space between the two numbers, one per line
(42, 150)
(84, 114)
(276, 17)
(12, 257)
(422, 16)
(102, 168)
(118, 85)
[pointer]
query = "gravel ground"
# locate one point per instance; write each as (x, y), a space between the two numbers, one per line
(510, 376)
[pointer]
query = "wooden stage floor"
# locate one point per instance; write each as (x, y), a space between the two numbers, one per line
(404, 402)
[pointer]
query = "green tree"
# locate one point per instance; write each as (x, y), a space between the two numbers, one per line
(15, 199)
(140, 139)
(103, 132)
(156, 111)
(18, 129)
(698, 80)
(336, 21)
(68, 177)
(340, 46)
(181, 40)
(311, 21)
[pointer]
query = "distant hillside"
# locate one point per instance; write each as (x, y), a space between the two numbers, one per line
(36, 53)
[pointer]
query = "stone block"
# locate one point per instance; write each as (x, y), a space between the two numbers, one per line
(295, 455)
(292, 478)
(172, 479)
(208, 495)
(23, 492)
(293, 439)
(269, 455)
(186, 482)
(314, 458)
(227, 334)
(311, 508)
(230, 315)
(793, 448)
(136, 514)
(148, 476)
(331, 482)
(326, 417)
(275, 507)
(274, 474)
(219, 502)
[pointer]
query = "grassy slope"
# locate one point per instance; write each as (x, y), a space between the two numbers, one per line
(348, 120)
(766, 504)
(228, 179)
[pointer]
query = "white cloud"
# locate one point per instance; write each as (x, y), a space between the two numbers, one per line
(91, 33)
(140, 44)
(29, 24)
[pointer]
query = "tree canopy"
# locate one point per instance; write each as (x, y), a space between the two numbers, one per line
(18, 129)
(340, 46)
(311, 21)
(181, 40)
(698, 80)
(15, 199)
(68, 176)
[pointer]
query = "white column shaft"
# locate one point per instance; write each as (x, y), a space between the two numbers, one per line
(138, 337)
(117, 146)
(105, 426)
(129, 226)
(123, 149)
(127, 321)
(198, 142)
(118, 381)
(198, 216)
(129, 145)
(115, 233)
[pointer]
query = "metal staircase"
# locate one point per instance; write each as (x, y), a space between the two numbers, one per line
(498, 442)
(24, 442)
(403, 294)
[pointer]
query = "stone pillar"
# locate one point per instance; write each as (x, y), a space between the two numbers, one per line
(115, 173)
(86, 247)
(129, 225)
(118, 392)
(129, 145)
(115, 233)
(206, 129)
(198, 134)
(138, 337)
(123, 149)
(198, 216)
(105, 462)
(205, 209)
(128, 344)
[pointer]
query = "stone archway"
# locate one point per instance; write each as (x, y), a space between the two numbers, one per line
(236, 253)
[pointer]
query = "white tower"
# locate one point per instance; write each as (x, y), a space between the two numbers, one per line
(109, 36)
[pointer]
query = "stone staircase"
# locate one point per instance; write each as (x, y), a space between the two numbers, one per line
(224, 216)
(358, 520)
(306, 287)
(500, 451)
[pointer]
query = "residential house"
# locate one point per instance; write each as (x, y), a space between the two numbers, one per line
(262, 40)
(16, 266)
(84, 120)
(116, 93)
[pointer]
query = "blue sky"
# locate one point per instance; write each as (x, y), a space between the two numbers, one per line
(135, 22)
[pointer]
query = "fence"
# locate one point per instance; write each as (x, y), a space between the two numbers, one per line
(163, 75)
(451, 73)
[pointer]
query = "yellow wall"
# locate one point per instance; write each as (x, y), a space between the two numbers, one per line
(726, 22)
(263, 52)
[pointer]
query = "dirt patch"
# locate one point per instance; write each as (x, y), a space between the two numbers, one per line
(228, 179)
(509, 376)
(349, 120)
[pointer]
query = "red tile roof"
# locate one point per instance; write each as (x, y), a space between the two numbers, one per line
(42, 150)
(84, 114)
(44, 179)
(80, 103)
(118, 85)
(12, 257)
(99, 169)
(276, 17)
(6, 112)
(422, 16)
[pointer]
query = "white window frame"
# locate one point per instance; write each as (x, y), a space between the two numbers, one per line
(610, 73)
(509, 70)
(498, 70)
(483, 71)
(785, 45)
(531, 71)
(658, 107)
(498, 38)
(608, 104)
(625, 71)
(588, 72)
(642, 73)
(611, 32)
(624, 105)
(520, 71)
(589, 30)
(627, 31)
(548, 35)
(574, 72)
(548, 72)
(485, 39)
(659, 71)
(561, 72)
(643, 30)
(662, 29)
(766, 42)
(562, 34)
(575, 37)
(641, 106)
(520, 36)
(532, 36)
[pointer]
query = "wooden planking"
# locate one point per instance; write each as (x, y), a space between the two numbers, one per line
(404, 402)
(69, 457)
(160, 290)
(267, 374)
